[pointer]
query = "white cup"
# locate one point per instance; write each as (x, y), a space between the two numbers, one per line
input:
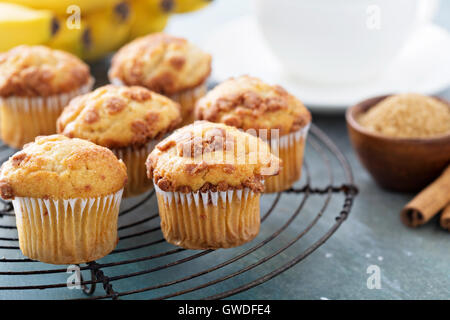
(336, 41)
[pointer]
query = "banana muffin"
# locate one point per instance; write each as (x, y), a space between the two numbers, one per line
(127, 120)
(36, 83)
(66, 195)
(208, 178)
(165, 64)
(267, 111)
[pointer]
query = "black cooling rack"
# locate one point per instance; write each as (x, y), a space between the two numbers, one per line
(138, 268)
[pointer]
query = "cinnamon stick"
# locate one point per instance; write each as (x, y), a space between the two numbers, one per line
(445, 218)
(428, 202)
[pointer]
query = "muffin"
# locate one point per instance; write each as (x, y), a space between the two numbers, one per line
(165, 64)
(127, 120)
(36, 83)
(266, 111)
(66, 195)
(208, 179)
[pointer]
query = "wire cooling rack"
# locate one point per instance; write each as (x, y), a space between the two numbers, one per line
(143, 266)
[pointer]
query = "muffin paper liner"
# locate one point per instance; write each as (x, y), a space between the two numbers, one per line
(209, 220)
(291, 149)
(24, 118)
(186, 99)
(134, 159)
(68, 231)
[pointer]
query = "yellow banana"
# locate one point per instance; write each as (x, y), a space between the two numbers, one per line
(69, 37)
(60, 6)
(182, 6)
(21, 25)
(149, 16)
(106, 30)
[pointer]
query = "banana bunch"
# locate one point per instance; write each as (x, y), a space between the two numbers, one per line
(69, 37)
(93, 36)
(90, 29)
(21, 25)
(106, 30)
(150, 16)
(183, 6)
(60, 7)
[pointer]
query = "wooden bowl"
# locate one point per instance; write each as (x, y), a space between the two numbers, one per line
(399, 164)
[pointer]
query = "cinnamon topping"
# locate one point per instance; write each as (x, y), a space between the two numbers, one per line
(205, 156)
(249, 103)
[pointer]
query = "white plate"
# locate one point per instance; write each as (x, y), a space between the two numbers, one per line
(423, 66)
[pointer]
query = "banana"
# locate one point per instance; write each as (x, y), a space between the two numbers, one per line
(69, 37)
(60, 6)
(21, 25)
(183, 6)
(106, 30)
(150, 16)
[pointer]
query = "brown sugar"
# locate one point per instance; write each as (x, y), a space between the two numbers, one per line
(408, 116)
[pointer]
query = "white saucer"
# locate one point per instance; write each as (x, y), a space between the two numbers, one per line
(423, 66)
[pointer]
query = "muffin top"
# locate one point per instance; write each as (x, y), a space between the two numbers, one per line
(248, 103)
(118, 116)
(58, 167)
(40, 71)
(161, 63)
(211, 156)
(408, 115)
